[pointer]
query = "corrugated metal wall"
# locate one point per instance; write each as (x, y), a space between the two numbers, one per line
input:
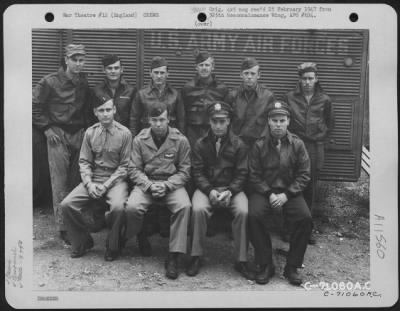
(340, 54)
(46, 52)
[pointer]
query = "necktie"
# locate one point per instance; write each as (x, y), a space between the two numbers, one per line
(218, 145)
(278, 144)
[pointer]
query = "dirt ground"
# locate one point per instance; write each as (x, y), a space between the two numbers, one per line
(341, 253)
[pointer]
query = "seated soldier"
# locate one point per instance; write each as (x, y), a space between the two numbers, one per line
(219, 172)
(159, 169)
(279, 171)
(103, 161)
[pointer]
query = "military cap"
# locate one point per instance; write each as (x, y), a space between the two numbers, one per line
(73, 49)
(219, 109)
(101, 100)
(202, 56)
(248, 63)
(278, 108)
(157, 62)
(158, 109)
(307, 67)
(110, 59)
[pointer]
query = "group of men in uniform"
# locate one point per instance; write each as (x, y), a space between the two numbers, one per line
(193, 151)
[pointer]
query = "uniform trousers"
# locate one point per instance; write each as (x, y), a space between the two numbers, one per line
(202, 211)
(177, 202)
(316, 153)
(63, 166)
(295, 212)
(79, 199)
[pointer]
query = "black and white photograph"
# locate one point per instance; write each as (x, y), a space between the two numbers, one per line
(164, 165)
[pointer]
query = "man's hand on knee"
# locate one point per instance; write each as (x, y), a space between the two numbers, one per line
(93, 191)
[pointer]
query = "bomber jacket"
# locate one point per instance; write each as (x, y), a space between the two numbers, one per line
(149, 96)
(170, 163)
(197, 96)
(313, 121)
(250, 118)
(61, 101)
(228, 169)
(123, 98)
(287, 170)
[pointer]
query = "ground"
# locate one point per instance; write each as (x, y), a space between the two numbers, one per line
(340, 255)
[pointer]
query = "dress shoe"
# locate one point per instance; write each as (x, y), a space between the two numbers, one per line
(64, 237)
(264, 274)
(194, 266)
(144, 245)
(80, 252)
(110, 255)
(290, 272)
(244, 270)
(171, 266)
(312, 240)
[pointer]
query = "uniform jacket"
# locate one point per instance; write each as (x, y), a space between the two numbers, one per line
(287, 170)
(197, 96)
(250, 112)
(123, 98)
(170, 163)
(313, 121)
(60, 101)
(146, 98)
(228, 169)
(105, 153)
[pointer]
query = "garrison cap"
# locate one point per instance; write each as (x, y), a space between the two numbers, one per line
(219, 109)
(73, 49)
(157, 62)
(202, 56)
(248, 63)
(307, 67)
(158, 109)
(101, 100)
(109, 59)
(278, 108)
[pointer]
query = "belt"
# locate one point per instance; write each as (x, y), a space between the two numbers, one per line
(104, 168)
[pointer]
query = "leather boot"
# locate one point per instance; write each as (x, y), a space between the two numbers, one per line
(171, 266)
(194, 266)
(291, 274)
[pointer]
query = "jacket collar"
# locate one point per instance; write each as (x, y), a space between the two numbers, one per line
(170, 140)
(198, 81)
(151, 87)
(110, 130)
(318, 89)
(64, 77)
(122, 82)
(266, 135)
(257, 89)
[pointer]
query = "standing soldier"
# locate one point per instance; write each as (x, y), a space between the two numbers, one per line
(250, 101)
(116, 87)
(279, 172)
(104, 161)
(200, 92)
(220, 169)
(157, 91)
(160, 168)
(312, 119)
(60, 109)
